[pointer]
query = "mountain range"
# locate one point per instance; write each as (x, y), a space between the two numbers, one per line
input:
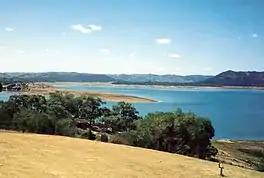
(227, 78)
(160, 78)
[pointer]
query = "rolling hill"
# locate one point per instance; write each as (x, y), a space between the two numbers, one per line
(160, 78)
(57, 77)
(227, 78)
(232, 78)
(31, 156)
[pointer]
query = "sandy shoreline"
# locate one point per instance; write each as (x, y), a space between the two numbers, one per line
(109, 84)
(112, 97)
(46, 88)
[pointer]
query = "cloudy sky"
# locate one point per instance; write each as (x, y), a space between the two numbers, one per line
(132, 36)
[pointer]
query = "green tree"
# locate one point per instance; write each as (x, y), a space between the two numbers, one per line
(26, 120)
(175, 132)
(35, 122)
(1, 87)
(62, 106)
(123, 117)
(6, 116)
(37, 103)
(89, 109)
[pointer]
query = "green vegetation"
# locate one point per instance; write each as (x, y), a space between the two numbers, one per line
(53, 77)
(86, 117)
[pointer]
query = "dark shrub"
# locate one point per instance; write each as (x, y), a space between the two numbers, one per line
(89, 135)
(260, 166)
(104, 138)
(117, 139)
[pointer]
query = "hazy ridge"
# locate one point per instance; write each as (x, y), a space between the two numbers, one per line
(227, 78)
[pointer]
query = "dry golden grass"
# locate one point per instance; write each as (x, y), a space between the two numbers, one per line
(231, 152)
(41, 156)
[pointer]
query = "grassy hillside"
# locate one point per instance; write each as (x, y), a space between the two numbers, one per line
(29, 155)
(246, 154)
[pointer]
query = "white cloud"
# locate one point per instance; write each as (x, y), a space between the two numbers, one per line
(174, 55)
(132, 54)
(254, 35)
(8, 29)
(81, 28)
(86, 29)
(95, 27)
(105, 51)
(47, 50)
(163, 41)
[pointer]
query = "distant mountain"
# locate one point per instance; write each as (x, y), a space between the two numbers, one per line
(137, 78)
(56, 77)
(228, 78)
(232, 78)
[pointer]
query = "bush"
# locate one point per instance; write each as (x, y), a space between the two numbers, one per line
(131, 136)
(260, 166)
(104, 138)
(117, 139)
(64, 127)
(88, 135)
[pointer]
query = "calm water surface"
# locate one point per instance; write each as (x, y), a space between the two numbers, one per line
(236, 114)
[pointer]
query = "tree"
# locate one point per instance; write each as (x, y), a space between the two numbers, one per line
(1, 87)
(62, 105)
(175, 132)
(89, 108)
(26, 120)
(35, 122)
(37, 103)
(6, 116)
(123, 117)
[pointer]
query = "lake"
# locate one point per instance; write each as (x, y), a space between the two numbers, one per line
(235, 114)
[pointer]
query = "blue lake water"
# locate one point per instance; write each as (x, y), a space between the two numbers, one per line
(235, 114)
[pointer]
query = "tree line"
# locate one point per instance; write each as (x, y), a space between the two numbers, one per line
(87, 117)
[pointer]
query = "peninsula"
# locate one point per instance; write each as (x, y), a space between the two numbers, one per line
(45, 89)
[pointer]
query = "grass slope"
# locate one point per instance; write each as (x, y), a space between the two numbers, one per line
(246, 154)
(39, 156)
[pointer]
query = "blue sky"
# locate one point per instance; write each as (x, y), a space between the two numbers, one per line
(132, 36)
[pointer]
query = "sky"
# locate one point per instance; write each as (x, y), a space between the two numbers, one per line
(132, 36)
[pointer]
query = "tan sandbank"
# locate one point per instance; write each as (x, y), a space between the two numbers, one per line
(44, 89)
(109, 84)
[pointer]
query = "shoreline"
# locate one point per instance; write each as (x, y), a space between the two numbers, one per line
(110, 97)
(109, 84)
